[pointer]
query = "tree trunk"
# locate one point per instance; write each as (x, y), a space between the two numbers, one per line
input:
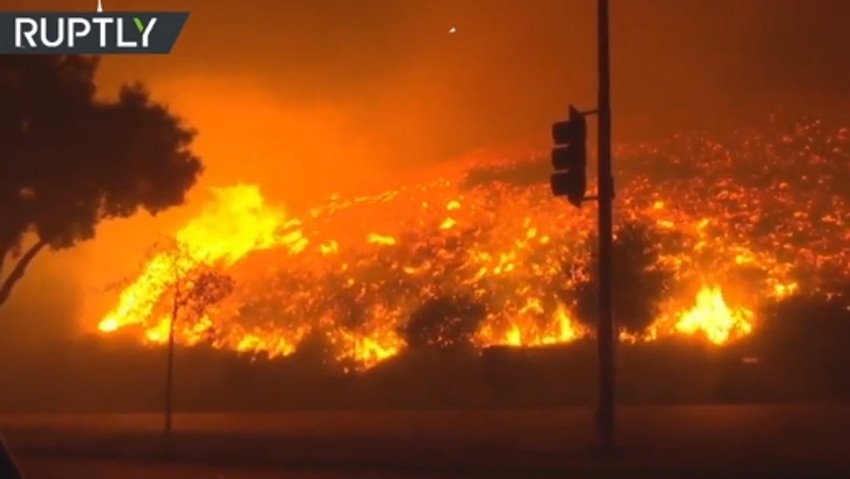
(169, 368)
(18, 271)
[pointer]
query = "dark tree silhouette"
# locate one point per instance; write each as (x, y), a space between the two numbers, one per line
(444, 323)
(802, 340)
(69, 160)
(814, 325)
(639, 285)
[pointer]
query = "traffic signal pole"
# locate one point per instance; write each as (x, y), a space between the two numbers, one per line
(606, 331)
(569, 160)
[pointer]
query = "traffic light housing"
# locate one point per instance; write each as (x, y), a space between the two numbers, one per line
(569, 158)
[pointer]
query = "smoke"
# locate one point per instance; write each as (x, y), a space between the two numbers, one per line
(412, 94)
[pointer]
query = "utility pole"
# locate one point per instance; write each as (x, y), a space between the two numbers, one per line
(606, 330)
(569, 160)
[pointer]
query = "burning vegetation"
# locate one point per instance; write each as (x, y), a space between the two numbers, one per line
(711, 231)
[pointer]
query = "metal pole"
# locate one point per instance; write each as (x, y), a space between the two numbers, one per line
(606, 330)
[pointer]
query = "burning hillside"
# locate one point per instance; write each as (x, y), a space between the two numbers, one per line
(736, 222)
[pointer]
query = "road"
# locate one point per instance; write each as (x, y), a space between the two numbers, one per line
(58, 469)
(65, 469)
(446, 444)
(756, 420)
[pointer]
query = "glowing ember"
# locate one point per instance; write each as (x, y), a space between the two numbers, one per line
(731, 228)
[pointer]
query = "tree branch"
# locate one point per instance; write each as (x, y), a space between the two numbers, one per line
(18, 271)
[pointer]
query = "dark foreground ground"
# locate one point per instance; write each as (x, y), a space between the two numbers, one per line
(669, 442)
(64, 469)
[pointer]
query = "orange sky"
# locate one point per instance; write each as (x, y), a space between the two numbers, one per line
(310, 97)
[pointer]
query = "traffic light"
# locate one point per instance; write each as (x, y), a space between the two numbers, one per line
(569, 158)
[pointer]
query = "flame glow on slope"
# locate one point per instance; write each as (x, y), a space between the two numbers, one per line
(742, 221)
(235, 224)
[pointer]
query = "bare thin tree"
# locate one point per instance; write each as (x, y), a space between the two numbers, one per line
(196, 287)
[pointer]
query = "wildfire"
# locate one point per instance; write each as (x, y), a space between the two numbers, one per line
(714, 318)
(734, 234)
(235, 224)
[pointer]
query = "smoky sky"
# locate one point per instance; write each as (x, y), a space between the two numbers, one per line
(309, 97)
(511, 67)
(512, 64)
